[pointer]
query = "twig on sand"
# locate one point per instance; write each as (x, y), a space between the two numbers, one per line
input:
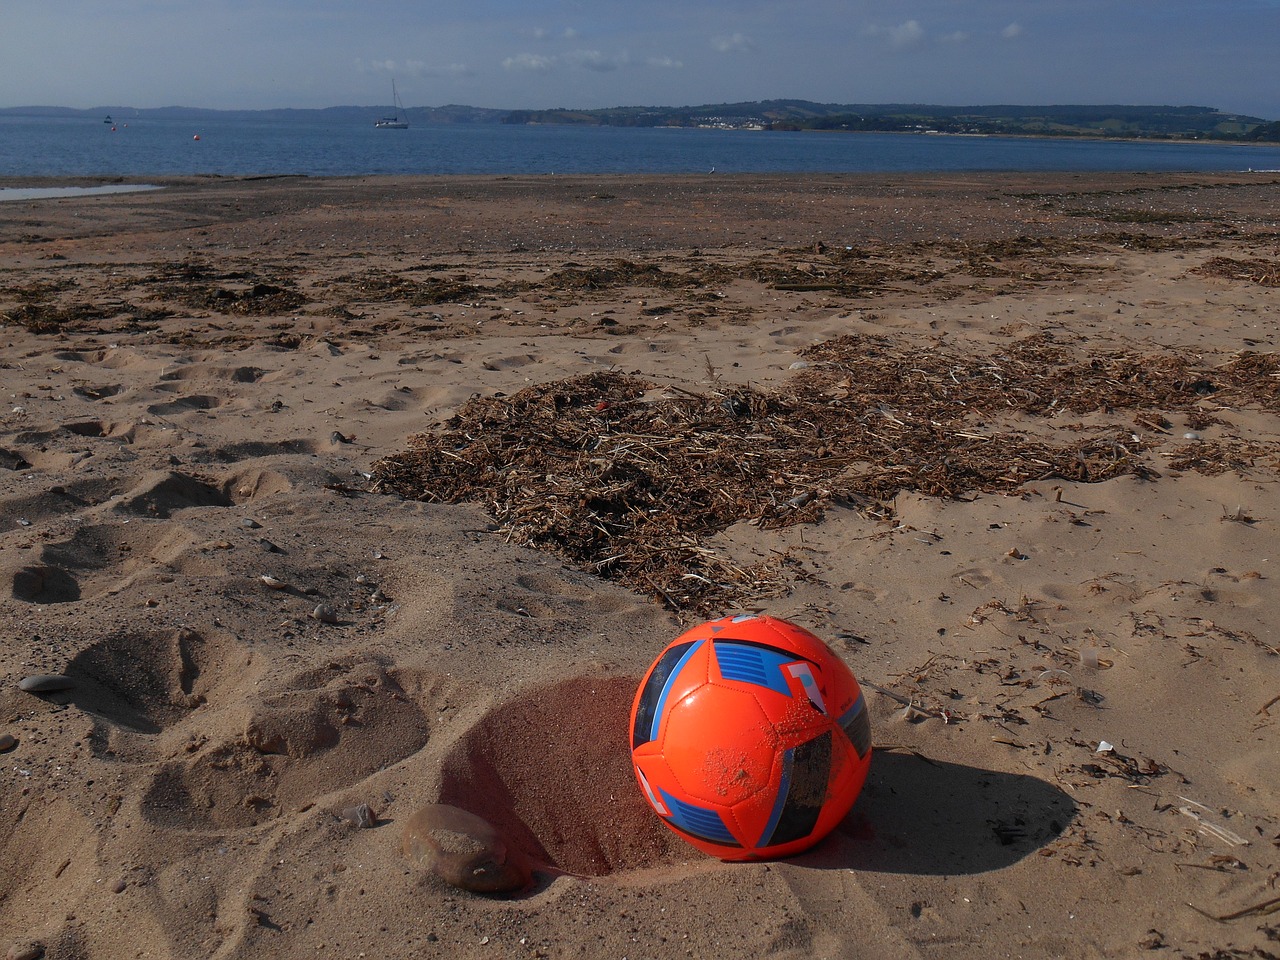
(1265, 709)
(1262, 909)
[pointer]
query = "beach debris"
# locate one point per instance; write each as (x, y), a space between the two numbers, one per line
(637, 489)
(361, 816)
(1240, 516)
(1152, 940)
(273, 583)
(46, 683)
(1105, 747)
(1200, 813)
(1092, 658)
(464, 850)
(250, 524)
(7, 742)
(1262, 909)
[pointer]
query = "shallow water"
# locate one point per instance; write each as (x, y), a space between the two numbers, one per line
(45, 193)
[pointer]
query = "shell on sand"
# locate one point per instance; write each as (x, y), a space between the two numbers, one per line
(464, 850)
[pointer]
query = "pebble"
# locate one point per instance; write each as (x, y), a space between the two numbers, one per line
(7, 742)
(273, 583)
(250, 524)
(1191, 435)
(464, 851)
(325, 613)
(46, 683)
(25, 951)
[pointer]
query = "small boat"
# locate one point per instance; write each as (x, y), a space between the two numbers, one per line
(108, 119)
(395, 122)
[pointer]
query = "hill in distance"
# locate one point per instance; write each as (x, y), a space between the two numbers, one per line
(1095, 120)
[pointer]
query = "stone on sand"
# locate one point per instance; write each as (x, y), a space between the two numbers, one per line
(46, 683)
(464, 850)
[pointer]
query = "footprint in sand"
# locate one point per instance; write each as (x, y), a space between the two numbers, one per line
(97, 392)
(202, 371)
(334, 717)
(189, 404)
(13, 460)
(163, 493)
(41, 583)
(99, 428)
(136, 684)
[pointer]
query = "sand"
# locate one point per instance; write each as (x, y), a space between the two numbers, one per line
(201, 381)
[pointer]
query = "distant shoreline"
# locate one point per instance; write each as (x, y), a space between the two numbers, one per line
(1106, 121)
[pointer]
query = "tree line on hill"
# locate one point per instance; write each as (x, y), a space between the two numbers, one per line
(1150, 122)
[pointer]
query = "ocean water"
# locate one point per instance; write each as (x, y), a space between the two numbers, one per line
(142, 147)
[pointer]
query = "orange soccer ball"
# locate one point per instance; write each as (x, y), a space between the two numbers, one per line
(750, 738)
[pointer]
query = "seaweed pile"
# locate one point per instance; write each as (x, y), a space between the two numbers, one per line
(632, 480)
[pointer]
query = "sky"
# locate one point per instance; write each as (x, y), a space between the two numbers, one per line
(535, 54)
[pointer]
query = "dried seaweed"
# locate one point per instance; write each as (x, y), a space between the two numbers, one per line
(632, 481)
(381, 286)
(1265, 273)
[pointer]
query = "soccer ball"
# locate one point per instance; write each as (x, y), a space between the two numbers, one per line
(750, 738)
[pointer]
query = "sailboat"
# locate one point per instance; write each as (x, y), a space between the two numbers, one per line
(395, 122)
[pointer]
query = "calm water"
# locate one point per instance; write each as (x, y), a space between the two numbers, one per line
(138, 148)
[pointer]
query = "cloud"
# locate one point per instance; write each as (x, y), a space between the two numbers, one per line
(904, 35)
(396, 68)
(960, 36)
(664, 63)
(528, 61)
(1012, 31)
(581, 59)
(733, 43)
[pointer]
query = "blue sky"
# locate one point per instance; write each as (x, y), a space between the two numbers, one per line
(593, 53)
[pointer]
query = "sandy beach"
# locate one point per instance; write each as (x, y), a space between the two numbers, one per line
(326, 500)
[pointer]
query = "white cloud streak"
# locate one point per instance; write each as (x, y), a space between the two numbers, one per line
(529, 61)
(593, 60)
(733, 43)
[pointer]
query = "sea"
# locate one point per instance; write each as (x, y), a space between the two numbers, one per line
(139, 147)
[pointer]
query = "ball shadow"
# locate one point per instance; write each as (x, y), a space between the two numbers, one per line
(925, 816)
